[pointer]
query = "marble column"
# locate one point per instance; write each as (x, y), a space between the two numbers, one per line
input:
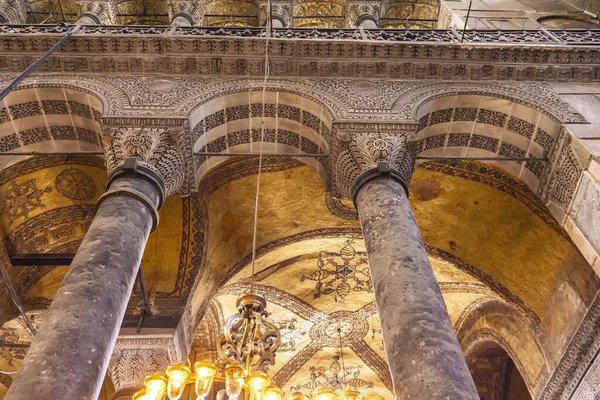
(424, 356)
(183, 12)
(367, 21)
(69, 356)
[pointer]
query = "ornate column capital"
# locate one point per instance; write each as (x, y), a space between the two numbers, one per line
(136, 356)
(13, 11)
(358, 157)
(188, 9)
(161, 150)
(103, 12)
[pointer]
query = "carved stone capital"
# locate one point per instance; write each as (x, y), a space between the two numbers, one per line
(358, 157)
(187, 8)
(136, 356)
(158, 149)
(13, 11)
(102, 11)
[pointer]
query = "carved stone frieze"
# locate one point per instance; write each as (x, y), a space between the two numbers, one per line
(159, 149)
(355, 154)
(136, 356)
(349, 101)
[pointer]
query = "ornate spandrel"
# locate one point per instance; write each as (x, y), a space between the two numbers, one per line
(319, 14)
(355, 155)
(159, 149)
(104, 11)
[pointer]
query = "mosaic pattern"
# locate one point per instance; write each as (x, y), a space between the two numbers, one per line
(75, 184)
(19, 199)
(341, 273)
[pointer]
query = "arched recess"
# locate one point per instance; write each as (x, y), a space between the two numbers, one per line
(530, 143)
(495, 374)
(49, 119)
(494, 320)
(293, 124)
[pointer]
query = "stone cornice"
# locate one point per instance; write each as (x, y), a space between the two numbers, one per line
(431, 55)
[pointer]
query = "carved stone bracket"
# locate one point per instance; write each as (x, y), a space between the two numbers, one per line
(355, 155)
(102, 11)
(160, 149)
(136, 356)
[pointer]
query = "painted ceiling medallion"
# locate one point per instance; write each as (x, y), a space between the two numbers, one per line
(340, 273)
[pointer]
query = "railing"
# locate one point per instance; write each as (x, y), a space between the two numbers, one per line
(532, 36)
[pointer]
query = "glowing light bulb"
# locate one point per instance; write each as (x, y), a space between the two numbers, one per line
(205, 374)
(178, 375)
(273, 393)
(299, 396)
(139, 395)
(372, 396)
(323, 394)
(234, 380)
(155, 387)
(350, 394)
(257, 381)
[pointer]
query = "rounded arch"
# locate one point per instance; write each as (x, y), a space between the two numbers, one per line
(495, 374)
(497, 321)
(232, 123)
(535, 95)
(49, 118)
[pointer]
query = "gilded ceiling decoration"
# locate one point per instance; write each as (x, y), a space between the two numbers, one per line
(232, 13)
(409, 14)
(319, 13)
(142, 12)
(52, 11)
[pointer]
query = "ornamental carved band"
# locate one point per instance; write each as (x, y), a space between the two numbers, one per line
(360, 153)
(13, 11)
(154, 148)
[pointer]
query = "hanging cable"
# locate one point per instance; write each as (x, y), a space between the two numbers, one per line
(262, 138)
(342, 358)
(15, 299)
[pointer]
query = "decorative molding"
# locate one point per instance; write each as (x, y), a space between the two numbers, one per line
(136, 356)
(156, 148)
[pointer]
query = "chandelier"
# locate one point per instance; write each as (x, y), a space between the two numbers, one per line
(246, 351)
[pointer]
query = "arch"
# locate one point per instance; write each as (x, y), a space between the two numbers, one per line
(497, 321)
(494, 372)
(49, 118)
(538, 96)
(231, 123)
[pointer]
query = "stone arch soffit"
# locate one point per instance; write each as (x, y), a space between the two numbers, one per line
(112, 97)
(492, 319)
(325, 100)
(537, 96)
